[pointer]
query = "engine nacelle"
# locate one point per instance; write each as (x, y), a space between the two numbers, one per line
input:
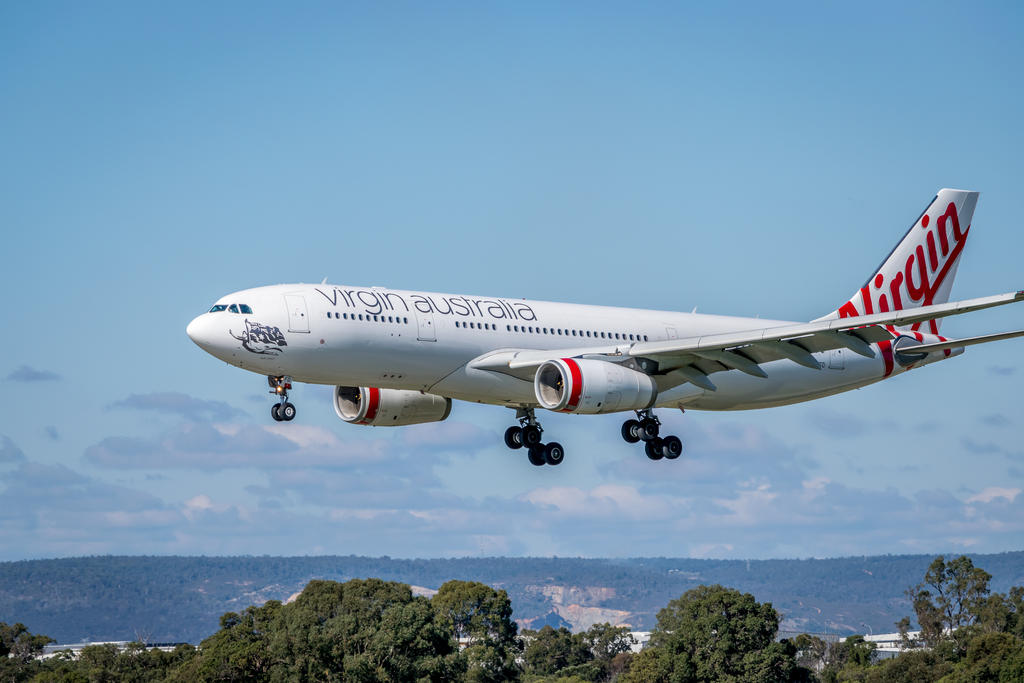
(389, 407)
(592, 386)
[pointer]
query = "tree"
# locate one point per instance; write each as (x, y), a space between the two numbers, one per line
(810, 651)
(239, 651)
(481, 618)
(853, 650)
(362, 630)
(991, 657)
(549, 651)
(18, 648)
(715, 633)
(606, 641)
(409, 645)
(916, 666)
(949, 599)
(18, 643)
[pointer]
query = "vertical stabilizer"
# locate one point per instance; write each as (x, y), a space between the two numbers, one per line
(921, 269)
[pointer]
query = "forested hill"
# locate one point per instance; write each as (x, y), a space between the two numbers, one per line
(172, 599)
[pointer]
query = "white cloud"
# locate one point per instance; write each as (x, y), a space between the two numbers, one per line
(993, 492)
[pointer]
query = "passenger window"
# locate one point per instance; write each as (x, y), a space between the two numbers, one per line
(233, 308)
(244, 308)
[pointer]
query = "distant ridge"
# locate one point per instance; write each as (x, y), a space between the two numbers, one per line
(174, 598)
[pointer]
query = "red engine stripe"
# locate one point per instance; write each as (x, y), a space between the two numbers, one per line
(577, 385)
(373, 405)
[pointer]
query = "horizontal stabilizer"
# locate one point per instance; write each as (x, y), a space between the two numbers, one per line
(960, 343)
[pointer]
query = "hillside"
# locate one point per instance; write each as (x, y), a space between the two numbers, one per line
(173, 599)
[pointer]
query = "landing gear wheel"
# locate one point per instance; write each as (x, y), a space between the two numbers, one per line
(514, 437)
(554, 454)
(531, 436)
(653, 449)
(631, 431)
(282, 410)
(536, 455)
(671, 447)
(649, 430)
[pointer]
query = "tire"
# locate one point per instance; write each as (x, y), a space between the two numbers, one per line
(514, 437)
(649, 430)
(671, 447)
(554, 454)
(536, 455)
(653, 449)
(631, 431)
(275, 412)
(531, 436)
(287, 413)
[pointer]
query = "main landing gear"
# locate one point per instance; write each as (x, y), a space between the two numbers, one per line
(646, 428)
(282, 411)
(528, 434)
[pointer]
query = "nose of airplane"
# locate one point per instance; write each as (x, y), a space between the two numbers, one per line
(198, 331)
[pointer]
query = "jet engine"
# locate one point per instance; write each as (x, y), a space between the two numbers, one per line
(389, 407)
(592, 386)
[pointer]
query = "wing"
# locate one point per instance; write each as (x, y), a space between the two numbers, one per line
(693, 359)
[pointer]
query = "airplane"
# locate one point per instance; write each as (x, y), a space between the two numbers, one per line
(397, 357)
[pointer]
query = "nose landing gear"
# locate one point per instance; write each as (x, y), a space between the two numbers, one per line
(282, 411)
(529, 434)
(647, 429)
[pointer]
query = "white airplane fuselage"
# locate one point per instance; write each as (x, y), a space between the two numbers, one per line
(399, 357)
(394, 339)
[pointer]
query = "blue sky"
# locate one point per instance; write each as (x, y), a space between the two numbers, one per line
(748, 159)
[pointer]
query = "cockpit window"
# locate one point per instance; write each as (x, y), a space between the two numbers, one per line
(218, 308)
(233, 308)
(244, 308)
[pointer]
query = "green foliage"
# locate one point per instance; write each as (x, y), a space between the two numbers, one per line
(950, 598)
(18, 647)
(548, 650)
(916, 666)
(997, 657)
(483, 617)
(16, 642)
(715, 633)
(810, 651)
(368, 630)
(854, 651)
(600, 653)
